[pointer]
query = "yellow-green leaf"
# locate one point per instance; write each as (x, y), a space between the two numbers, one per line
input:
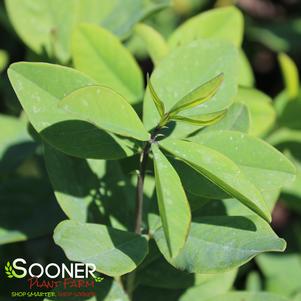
(198, 96)
(201, 120)
(157, 101)
(153, 42)
(290, 75)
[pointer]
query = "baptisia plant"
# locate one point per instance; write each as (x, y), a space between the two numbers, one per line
(186, 189)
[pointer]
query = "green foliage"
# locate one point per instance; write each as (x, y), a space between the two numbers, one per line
(255, 158)
(114, 252)
(276, 281)
(199, 62)
(153, 42)
(262, 113)
(39, 87)
(226, 242)
(170, 205)
(45, 28)
(236, 118)
(172, 202)
(224, 23)
(99, 54)
(219, 169)
(290, 74)
(105, 109)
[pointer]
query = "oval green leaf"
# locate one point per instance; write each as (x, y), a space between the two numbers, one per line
(105, 109)
(99, 54)
(219, 243)
(114, 252)
(222, 23)
(39, 87)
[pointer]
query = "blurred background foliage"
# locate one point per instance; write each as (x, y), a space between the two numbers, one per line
(272, 45)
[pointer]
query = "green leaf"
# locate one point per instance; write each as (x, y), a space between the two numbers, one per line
(246, 75)
(153, 42)
(290, 75)
(213, 285)
(106, 109)
(198, 96)
(236, 119)
(196, 184)
(157, 101)
(89, 190)
(246, 296)
(220, 170)
(199, 61)
(282, 273)
(39, 87)
(45, 28)
(201, 120)
(221, 23)
(262, 113)
(263, 165)
(225, 241)
(3, 60)
(172, 201)
(99, 54)
(114, 252)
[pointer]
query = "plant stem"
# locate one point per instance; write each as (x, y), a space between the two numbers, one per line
(130, 279)
(140, 181)
(140, 186)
